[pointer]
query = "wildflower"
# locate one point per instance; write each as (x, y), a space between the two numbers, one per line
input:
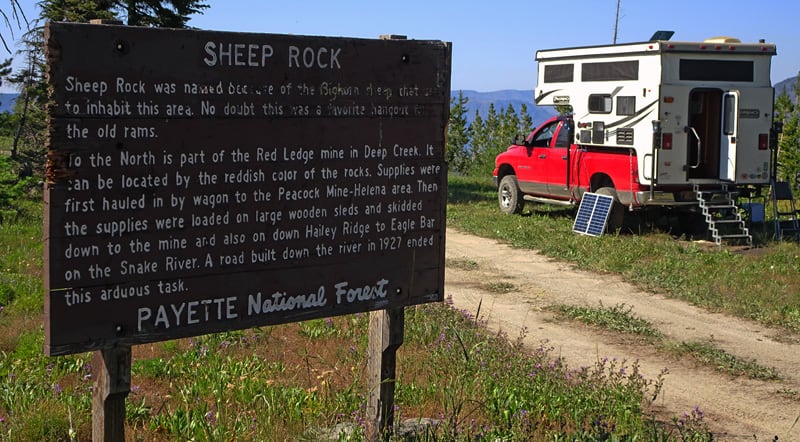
(224, 344)
(135, 389)
(50, 367)
(329, 322)
(57, 389)
(211, 418)
(698, 412)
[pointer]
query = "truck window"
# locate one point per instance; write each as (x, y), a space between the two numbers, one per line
(564, 135)
(545, 135)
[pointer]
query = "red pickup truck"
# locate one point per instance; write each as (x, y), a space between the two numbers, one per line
(547, 167)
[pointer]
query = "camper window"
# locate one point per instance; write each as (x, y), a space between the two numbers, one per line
(716, 70)
(610, 71)
(729, 117)
(558, 73)
(600, 103)
(626, 105)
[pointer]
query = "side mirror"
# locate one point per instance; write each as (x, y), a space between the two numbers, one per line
(519, 140)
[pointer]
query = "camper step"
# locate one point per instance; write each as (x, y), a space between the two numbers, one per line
(736, 236)
(727, 221)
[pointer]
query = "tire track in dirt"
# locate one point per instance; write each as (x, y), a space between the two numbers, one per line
(736, 408)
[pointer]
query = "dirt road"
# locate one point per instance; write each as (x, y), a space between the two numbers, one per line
(736, 408)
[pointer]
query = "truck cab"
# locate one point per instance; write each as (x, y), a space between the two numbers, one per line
(548, 167)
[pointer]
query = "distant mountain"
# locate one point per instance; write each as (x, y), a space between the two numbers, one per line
(7, 102)
(480, 101)
(788, 86)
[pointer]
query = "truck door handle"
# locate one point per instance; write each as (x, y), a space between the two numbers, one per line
(564, 157)
(542, 156)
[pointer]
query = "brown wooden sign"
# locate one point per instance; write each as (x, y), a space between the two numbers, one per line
(206, 181)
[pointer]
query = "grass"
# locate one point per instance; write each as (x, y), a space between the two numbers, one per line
(618, 318)
(709, 355)
(299, 380)
(762, 284)
(622, 320)
(499, 287)
(462, 264)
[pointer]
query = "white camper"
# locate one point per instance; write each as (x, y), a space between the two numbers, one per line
(693, 112)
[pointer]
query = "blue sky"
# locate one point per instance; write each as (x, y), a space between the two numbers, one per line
(494, 42)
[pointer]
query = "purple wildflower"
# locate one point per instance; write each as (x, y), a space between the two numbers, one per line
(211, 418)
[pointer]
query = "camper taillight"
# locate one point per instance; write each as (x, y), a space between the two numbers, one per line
(666, 141)
(763, 141)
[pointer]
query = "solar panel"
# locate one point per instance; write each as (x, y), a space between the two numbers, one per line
(593, 214)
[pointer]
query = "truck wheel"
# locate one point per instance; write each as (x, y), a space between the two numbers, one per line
(509, 195)
(617, 214)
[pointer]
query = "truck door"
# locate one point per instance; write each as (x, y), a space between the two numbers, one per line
(534, 177)
(558, 161)
(729, 135)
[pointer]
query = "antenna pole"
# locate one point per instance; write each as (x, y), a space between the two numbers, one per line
(616, 22)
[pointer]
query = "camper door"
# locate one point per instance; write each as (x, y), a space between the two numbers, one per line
(712, 134)
(729, 135)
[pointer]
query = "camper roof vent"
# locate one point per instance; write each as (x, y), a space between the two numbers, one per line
(722, 40)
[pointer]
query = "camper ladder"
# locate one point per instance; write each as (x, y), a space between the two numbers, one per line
(722, 214)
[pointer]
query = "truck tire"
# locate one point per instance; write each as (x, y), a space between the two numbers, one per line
(509, 195)
(617, 214)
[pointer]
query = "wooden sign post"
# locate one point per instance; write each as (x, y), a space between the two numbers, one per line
(111, 374)
(386, 330)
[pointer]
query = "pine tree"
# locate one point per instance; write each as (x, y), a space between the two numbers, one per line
(158, 13)
(30, 107)
(789, 141)
(526, 121)
(457, 133)
(492, 131)
(76, 10)
(509, 129)
(13, 17)
(479, 140)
